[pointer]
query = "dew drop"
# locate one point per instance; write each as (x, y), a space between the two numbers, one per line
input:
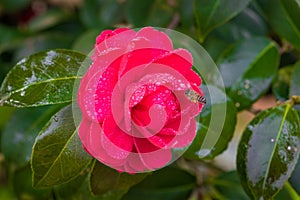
(250, 127)
(272, 140)
(289, 148)
(22, 93)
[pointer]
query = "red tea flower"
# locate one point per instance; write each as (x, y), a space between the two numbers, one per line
(134, 108)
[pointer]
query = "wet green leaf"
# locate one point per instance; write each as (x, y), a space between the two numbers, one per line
(281, 83)
(213, 13)
(248, 69)
(295, 82)
(165, 184)
(284, 17)
(22, 184)
(110, 184)
(42, 79)
(149, 12)
(20, 132)
(268, 151)
(207, 126)
(57, 155)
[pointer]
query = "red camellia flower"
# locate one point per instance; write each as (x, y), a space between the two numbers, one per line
(135, 111)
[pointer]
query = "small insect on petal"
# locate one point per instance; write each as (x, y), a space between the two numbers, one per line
(194, 96)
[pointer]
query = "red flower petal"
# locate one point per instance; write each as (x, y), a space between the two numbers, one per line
(181, 61)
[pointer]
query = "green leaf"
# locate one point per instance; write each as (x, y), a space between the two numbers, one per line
(207, 126)
(281, 83)
(20, 132)
(101, 13)
(71, 189)
(248, 69)
(149, 12)
(22, 184)
(294, 180)
(245, 25)
(111, 184)
(287, 192)
(295, 82)
(165, 184)
(215, 46)
(268, 151)
(213, 13)
(58, 155)
(228, 186)
(284, 17)
(186, 12)
(42, 79)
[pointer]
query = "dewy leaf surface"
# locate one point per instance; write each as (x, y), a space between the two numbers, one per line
(268, 151)
(213, 13)
(58, 155)
(42, 79)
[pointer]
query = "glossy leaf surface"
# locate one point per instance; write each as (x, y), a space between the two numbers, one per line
(284, 16)
(248, 69)
(111, 184)
(268, 151)
(207, 126)
(165, 184)
(245, 25)
(211, 13)
(58, 155)
(144, 13)
(41, 79)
